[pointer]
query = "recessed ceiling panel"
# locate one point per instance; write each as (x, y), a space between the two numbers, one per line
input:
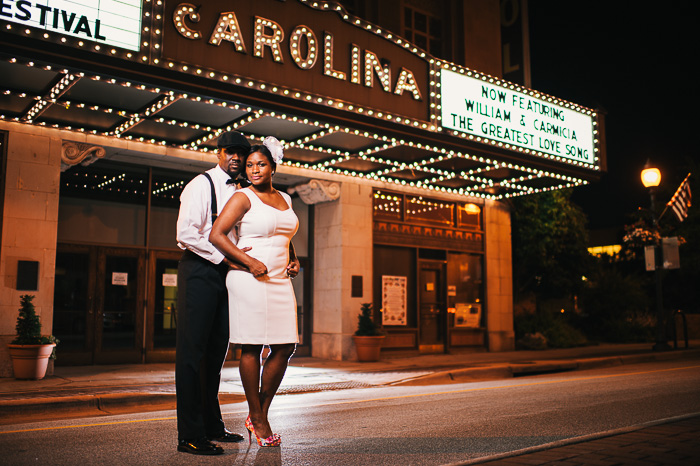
(458, 164)
(456, 183)
(345, 141)
(279, 128)
(296, 154)
(405, 154)
(115, 96)
(80, 118)
(412, 175)
(202, 112)
(359, 165)
(174, 134)
(13, 105)
(29, 79)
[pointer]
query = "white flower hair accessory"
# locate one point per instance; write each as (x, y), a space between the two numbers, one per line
(275, 148)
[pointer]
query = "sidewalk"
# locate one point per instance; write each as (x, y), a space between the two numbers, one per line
(116, 388)
(661, 443)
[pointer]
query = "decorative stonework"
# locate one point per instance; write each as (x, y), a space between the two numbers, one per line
(74, 153)
(316, 191)
(427, 236)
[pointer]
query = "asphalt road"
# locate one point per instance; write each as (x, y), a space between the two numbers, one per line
(426, 425)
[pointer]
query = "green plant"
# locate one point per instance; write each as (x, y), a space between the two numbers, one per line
(615, 306)
(546, 328)
(365, 324)
(28, 326)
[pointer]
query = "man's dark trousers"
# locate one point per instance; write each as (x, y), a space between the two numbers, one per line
(202, 343)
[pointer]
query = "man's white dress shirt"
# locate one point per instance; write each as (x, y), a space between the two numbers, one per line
(194, 219)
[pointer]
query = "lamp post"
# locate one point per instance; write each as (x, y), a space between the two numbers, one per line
(651, 177)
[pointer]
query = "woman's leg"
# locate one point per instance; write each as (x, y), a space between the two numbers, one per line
(273, 372)
(249, 369)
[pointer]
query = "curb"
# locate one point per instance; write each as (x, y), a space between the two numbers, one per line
(108, 403)
(104, 403)
(509, 370)
(114, 403)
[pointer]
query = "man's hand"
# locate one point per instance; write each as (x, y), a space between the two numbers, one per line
(235, 265)
(293, 268)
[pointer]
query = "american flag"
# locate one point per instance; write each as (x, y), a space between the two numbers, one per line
(680, 201)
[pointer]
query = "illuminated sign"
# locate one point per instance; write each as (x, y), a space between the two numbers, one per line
(270, 34)
(308, 51)
(111, 22)
(481, 108)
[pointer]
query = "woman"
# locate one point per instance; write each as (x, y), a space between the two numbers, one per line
(262, 306)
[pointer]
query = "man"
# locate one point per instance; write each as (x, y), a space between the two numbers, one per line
(202, 318)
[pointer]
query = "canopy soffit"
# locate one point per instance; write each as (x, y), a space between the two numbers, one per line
(69, 99)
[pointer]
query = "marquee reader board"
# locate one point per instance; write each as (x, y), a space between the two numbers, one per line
(484, 109)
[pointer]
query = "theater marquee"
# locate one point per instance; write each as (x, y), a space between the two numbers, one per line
(311, 62)
(481, 107)
(115, 23)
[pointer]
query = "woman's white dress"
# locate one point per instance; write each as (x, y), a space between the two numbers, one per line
(263, 310)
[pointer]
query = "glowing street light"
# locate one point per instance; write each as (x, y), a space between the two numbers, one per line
(651, 178)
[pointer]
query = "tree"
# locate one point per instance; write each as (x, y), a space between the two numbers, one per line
(28, 326)
(549, 245)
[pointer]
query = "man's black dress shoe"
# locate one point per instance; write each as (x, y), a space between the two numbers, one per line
(226, 436)
(199, 447)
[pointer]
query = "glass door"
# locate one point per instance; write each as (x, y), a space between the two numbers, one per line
(73, 313)
(119, 329)
(432, 311)
(162, 306)
(98, 305)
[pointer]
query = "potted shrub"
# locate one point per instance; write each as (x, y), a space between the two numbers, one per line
(368, 338)
(30, 350)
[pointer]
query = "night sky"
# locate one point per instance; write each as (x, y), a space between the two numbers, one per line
(635, 61)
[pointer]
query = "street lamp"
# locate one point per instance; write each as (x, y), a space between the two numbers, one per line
(651, 177)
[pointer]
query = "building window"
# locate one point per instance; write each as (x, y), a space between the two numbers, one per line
(424, 30)
(421, 210)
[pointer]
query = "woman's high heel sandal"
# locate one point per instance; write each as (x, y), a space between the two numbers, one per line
(251, 429)
(273, 440)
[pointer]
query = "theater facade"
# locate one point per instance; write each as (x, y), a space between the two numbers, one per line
(400, 162)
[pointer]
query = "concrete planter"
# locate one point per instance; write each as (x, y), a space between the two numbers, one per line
(368, 348)
(30, 361)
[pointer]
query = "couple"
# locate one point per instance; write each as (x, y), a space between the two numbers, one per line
(236, 270)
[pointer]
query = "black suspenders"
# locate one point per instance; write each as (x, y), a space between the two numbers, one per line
(214, 209)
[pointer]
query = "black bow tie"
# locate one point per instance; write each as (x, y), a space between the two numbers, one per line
(231, 181)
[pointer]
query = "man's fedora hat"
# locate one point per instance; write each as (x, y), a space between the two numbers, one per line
(232, 139)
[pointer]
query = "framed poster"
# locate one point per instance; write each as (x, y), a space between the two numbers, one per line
(169, 279)
(393, 300)
(120, 278)
(467, 315)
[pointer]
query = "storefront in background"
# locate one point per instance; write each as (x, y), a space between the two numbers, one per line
(400, 159)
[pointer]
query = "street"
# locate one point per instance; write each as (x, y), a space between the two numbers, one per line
(422, 425)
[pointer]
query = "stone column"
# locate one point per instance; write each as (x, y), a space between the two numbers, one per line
(342, 248)
(499, 277)
(29, 227)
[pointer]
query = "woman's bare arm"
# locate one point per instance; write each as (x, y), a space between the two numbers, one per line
(231, 214)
